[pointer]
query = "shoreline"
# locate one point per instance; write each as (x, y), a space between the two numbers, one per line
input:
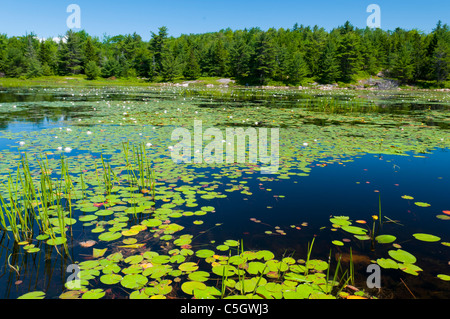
(207, 82)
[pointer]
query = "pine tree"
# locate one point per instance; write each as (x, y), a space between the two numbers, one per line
(264, 58)
(171, 66)
(90, 52)
(92, 70)
(441, 62)
(348, 52)
(157, 46)
(191, 68)
(70, 54)
(34, 67)
(329, 70)
(240, 57)
(219, 59)
(297, 68)
(402, 67)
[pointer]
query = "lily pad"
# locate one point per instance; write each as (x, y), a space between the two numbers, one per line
(387, 263)
(111, 279)
(93, 294)
(385, 239)
(134, 281)
(422, 204)
(188, 266)
(402, 256)
(33, 295)
(355, 230)
(426, 237)
(189, 286)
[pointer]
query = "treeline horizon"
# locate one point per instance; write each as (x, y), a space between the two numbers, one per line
(250, 56)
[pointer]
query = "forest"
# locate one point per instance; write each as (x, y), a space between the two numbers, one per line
(251, 56)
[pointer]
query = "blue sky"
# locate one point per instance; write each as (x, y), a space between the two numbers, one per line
(47, 18)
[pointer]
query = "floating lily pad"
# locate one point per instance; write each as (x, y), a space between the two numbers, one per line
(33, 295)
(189, 286)
(133, 281)
(387, 263)
(355, 230)
(426, 237)
(199, 276)
(444, 277)
(93, 294)
(188, 267)
(385, 239)
(109, 236)
(422, 204)
(204, 253)
(402, 256)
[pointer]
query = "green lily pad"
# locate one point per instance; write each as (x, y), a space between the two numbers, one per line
(422, 204)
(444, 277)
(93, 294)
(109, 236)
(337, 243)
(387, 263)
(385, 239)
(189, 286)
(33, 295)
(402, 256)
(355, 230)
(204, 253)
(87, 218)
(231, 243)
(133, 281)
(426, 237)
(56, 241)
(188, 267)
(224, 270)
(111, 279)
(199, 276)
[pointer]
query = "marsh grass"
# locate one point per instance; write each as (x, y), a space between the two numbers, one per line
(41, 200)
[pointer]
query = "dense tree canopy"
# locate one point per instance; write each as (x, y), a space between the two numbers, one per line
(253, 56)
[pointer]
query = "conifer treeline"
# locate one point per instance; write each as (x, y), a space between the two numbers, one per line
(252, 56)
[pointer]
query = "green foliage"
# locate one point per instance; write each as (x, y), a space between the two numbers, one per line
(253, 56)
(92, 70)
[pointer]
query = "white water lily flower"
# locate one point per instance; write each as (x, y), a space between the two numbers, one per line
(88, 132)
(60, 148)
(67, 150)
(21, 143)
(148, 144)
(305, 144)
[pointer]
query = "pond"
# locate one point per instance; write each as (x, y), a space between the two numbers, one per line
(95, 206)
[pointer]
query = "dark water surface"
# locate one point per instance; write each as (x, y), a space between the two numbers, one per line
(352, 188)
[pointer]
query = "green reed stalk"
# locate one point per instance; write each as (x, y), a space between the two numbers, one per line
(352, 268)
(308, 255)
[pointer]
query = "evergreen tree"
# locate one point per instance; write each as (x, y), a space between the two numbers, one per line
(191, 68)
(219, 59)
(402, 67)
(441, 62)
(240, 58)
(329, 70)
(34, 67)
(157, 46)
(297, 69)
(348, 52)
(171, 66)
(70, 54)
(92, 70)
(90, 52)
(264, 58)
